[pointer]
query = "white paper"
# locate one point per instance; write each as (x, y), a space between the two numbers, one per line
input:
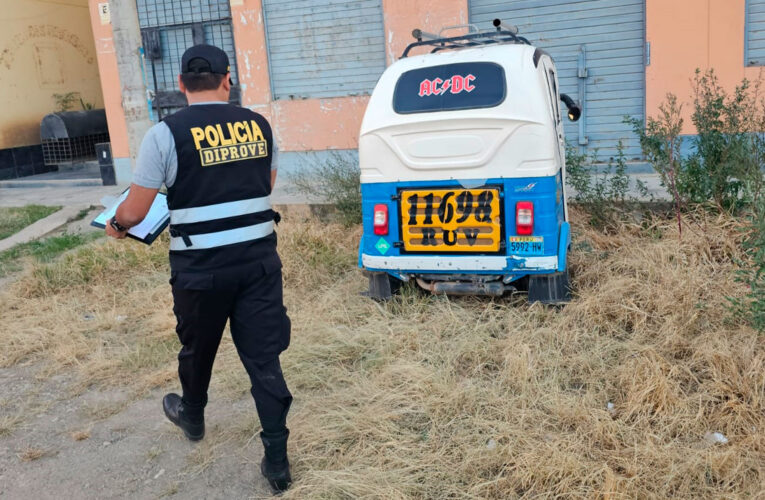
(104, 13)
(158, 213)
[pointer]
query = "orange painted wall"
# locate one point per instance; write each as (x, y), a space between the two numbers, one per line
(299, 125)
(46, 49)
(402, 16)
(684, 35)
(110, 82)
(690, 34)
(330, 123)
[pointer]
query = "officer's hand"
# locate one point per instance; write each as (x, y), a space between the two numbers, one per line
(110, 231)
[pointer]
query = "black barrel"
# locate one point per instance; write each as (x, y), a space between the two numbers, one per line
(72, 135)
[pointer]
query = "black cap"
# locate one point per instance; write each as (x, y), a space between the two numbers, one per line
(205, 59)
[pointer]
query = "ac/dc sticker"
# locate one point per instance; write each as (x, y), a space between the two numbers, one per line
(455, 85)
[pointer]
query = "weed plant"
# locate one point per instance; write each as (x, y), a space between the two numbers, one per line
(335, 180)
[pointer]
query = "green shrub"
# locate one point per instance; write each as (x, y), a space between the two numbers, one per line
(335, 180)
(601, 188)
(752, 307)
(724, 170)
(726, 165)
(660, 141)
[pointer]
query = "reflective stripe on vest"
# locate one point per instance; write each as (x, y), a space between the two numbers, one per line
(221, 238)
(220, 210)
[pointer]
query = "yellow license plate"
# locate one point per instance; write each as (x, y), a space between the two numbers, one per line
(451, 220)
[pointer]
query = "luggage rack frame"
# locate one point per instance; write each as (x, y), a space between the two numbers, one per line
(464, 41)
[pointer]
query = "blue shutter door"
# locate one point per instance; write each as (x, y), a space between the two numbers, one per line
(755, 33)
(324, 48)
(598, 48)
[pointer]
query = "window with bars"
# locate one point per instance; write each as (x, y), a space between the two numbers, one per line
(169, 27)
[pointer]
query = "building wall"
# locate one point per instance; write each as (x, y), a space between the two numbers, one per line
(302, 126)
(683, 35)
(110, 79)
(316, 125)
(118, 40)
(46, 48)
(689, 34)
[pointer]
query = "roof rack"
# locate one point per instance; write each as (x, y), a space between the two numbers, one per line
(504, 34)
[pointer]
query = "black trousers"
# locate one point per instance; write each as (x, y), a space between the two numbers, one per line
(250, 297)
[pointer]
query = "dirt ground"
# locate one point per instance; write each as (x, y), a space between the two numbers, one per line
(105, 443)
(98, 445)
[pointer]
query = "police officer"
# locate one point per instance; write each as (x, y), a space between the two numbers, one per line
(217, 161)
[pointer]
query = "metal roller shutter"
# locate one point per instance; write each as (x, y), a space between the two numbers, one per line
(599, 50)
(324, 48)
(755, 33)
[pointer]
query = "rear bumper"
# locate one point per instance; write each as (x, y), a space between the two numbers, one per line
(442, 263)
(479, 264)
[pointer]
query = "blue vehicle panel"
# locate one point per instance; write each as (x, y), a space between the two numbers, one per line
(544, 192)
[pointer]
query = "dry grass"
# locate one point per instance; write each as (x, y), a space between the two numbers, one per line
(8, 423)
(429, 397)
(80, 435)
(30, 454)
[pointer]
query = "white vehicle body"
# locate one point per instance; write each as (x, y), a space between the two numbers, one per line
(522, 137)
(512, 146)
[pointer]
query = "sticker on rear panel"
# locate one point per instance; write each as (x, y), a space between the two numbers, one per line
(527, 245)
(382, 246)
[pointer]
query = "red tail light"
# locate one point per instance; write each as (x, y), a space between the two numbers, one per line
(524, 218)
(381, 219)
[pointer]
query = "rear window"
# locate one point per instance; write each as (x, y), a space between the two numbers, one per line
(450, 87)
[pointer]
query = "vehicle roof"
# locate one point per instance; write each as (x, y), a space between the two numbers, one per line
(523, 85)
(516, 138)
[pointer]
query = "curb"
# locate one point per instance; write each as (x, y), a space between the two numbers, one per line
(41, 227)
(51, 183)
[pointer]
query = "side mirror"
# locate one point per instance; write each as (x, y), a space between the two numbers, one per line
(574, 110)
(574, 113)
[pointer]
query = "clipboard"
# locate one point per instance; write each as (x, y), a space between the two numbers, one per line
(156, 220)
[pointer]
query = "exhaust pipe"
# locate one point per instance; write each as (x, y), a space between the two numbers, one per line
(500, 25)
(419, 35)
(491, 289)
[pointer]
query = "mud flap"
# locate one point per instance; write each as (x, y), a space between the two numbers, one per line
(381, 286)
(549, 288)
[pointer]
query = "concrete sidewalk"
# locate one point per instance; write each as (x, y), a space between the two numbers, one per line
(284, 194)
(77, 197)
(70, 193)
(74, 197)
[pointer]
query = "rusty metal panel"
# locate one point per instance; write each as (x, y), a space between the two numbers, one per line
(324, 48)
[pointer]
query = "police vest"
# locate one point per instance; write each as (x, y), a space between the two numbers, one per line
(220, 208)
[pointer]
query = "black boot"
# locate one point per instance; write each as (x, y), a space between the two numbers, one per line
(192, 421)
(275, 466)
